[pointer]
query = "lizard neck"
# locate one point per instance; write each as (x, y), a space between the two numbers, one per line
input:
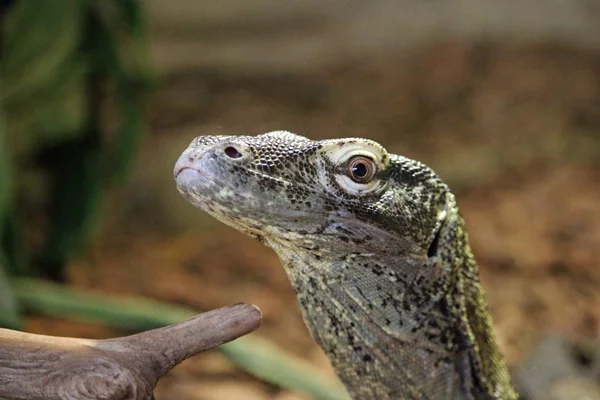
(466, 299)
(396, 323)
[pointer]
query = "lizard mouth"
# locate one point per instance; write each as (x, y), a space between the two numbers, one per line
(180, 170)
(189, 171)
(187, 177)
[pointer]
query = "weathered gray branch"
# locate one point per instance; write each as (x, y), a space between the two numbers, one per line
(36, 367)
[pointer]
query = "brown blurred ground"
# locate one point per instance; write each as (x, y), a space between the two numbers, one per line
(514, 129)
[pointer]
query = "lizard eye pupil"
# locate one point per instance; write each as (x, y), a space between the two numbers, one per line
(361, 169)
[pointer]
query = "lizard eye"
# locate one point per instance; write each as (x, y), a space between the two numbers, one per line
(357, 174)
(358, 167)
(361, 169)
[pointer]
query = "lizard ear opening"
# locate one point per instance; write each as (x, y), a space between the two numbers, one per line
(432, 251)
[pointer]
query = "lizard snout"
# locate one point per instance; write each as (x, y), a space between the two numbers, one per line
(208, 162)
(185, 161)
(191, 158)
(186, 171)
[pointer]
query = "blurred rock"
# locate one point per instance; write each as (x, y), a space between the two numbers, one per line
(559, 371)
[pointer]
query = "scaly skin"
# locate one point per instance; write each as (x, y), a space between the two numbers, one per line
(383, 271)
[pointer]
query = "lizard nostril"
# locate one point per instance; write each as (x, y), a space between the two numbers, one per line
(232, 152)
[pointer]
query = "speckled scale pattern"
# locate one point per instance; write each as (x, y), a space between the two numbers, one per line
(384, 275)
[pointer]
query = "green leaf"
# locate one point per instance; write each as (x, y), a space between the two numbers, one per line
(136, 39)
(130, 84)
(9, 316)
(5, 170)
(40, 37)
(258, 357)
(42, 67)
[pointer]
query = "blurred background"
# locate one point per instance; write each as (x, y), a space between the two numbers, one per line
(99, 97)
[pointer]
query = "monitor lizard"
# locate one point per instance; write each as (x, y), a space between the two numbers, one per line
(376, 251)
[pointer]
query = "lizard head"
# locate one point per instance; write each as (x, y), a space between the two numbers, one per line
(283, 187)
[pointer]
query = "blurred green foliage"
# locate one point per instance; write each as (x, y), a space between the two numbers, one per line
(8, 310)
(74, 75)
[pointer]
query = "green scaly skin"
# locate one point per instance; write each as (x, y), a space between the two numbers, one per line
(382, 267)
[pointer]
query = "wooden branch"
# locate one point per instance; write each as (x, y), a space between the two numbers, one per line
(37, 367)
